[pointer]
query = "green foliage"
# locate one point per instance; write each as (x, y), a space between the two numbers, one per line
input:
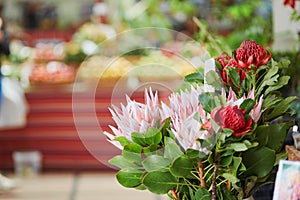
(227, 166)
(129, 179)
(271, 136)
(196, 77)
(213, 79)
(159, 182)
(259, 162)
(243, 20)
(215, 44)
(182, 167)
(295, 16)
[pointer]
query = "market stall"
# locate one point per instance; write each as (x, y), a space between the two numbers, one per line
(68, 96)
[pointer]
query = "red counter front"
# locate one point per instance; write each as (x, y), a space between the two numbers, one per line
(68, 140)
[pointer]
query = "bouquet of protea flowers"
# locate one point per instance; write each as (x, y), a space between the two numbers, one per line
(207, 144)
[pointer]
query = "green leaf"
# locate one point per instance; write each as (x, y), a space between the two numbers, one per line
(281, 108)
(271, 72)
(236, 163)
(213, 79)
(281, 82)
(259, 162)
(141, 187)
(207, 102)
(238, 146)
(208, 143)
(155, 162)
(202, 194)
(121, 162)
(247, 105)
(270, 101)
(225, 160)
(172, 150)
(228, 194)
(226, 132)
(139, 138)
(196, 77)
(272, 136)
(129, 179)
(269, 79)
(218, 100)
(153, 136)
(232, 178)
(165, 129)
(195, 154)
(132, 152)
(122, 140)
(182, 167)
(281, 156)
(235, 77)
(159, 182)
(284, 63)
(150, 150)
(218, 65)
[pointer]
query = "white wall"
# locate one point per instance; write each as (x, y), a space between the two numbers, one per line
(284, 30)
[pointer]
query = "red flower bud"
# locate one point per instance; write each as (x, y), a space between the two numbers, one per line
(228, 62)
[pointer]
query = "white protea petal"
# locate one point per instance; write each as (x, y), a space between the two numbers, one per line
(135, 117)
(115, 131)
(187, 133)
(183, 107)
(231, 95)
(238, 102)
(111, 140)
(256, 112)
(143, 126)
(109, 135)
(251, 94)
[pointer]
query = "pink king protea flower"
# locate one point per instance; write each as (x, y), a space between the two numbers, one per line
(187, 128)
(134, 117)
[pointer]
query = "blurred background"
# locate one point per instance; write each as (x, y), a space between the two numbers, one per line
(63, 63)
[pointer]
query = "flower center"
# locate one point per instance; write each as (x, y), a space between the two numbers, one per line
(234, 118)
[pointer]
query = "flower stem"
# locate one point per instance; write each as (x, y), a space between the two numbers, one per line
(228, 185)
(174, 195)
(201, 175)
(213, 195)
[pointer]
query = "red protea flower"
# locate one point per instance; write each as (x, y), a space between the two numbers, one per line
(290, 3)
(223, 59)
(232, 117)
(227, 62)
(250, 53)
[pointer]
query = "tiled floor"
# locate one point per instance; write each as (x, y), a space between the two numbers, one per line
(69, 186)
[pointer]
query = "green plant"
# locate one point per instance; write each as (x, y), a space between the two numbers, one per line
(219, 144)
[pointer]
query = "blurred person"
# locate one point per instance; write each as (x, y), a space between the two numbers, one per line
(5, 183)
(4, 40)
(4, 47)
(13, 105)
